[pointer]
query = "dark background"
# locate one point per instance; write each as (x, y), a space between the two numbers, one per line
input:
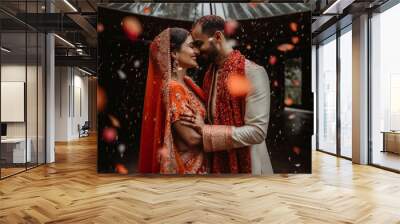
(290, 129)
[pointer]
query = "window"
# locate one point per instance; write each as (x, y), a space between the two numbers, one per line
(327, 96)
(346, 92)
(22, 76)
(385, 89)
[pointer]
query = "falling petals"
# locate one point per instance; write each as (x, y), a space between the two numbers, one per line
(296, 150)
(109, 134)
(121, 169)
(272, 60)
(296, 82)
(295, 40)
(101, 99)
(100, 27)
(131, 27)
(121, 74)
(230, 27)
(121, 149)
(289, 101)
(286, 47)
(294, 26)
(114, 121)
(147, 10)
(136, 63)
(253, 4)
(238, 85)
(276, 83)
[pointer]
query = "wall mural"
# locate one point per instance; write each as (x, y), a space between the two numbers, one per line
(198, 97)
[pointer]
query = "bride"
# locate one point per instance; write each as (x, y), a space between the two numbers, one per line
(168, 146)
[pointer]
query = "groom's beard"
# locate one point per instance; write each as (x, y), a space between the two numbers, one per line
(197, 74)
(203, 61)
(207, 58)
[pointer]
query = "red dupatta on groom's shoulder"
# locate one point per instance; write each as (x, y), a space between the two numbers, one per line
(229, 111)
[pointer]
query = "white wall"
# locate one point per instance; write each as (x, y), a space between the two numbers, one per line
(9, 73)
(15, 72)
(71, 93)
(33, 127)
(80, 94)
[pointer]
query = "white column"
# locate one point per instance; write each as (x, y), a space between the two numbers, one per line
(360, 90)
(50, 92)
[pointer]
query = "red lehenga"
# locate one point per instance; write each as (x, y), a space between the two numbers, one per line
(165, 100)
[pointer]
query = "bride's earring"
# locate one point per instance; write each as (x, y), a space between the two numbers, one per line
(175, 67)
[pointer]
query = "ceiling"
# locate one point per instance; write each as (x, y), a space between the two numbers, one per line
(76, 20)
(192, 11)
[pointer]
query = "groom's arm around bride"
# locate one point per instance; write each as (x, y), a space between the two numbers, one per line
(254, 130)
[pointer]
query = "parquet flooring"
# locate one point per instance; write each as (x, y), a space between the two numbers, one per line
(71, 191)
(10, 171)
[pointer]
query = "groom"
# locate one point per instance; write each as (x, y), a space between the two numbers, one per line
(237, 126)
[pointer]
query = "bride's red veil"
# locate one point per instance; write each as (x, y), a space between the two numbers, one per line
(156, 136)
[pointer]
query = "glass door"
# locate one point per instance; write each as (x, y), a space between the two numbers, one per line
(14, 154)
(22, 76)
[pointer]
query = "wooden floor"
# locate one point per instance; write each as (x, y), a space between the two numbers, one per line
(387, 159)
(70, 191)
(5, 172)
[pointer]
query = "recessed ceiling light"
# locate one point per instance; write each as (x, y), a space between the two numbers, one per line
(337, 7)
(64, 40)
(84, 71)
(70, 5)
(5, 50)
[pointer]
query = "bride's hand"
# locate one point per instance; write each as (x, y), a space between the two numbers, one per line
(194, 120)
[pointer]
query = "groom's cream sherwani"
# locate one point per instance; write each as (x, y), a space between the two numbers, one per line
(254, 130)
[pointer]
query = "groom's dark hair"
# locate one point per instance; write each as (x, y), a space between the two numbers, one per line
(210, 24)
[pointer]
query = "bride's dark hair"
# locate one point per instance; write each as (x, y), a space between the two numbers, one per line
(177, 38)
